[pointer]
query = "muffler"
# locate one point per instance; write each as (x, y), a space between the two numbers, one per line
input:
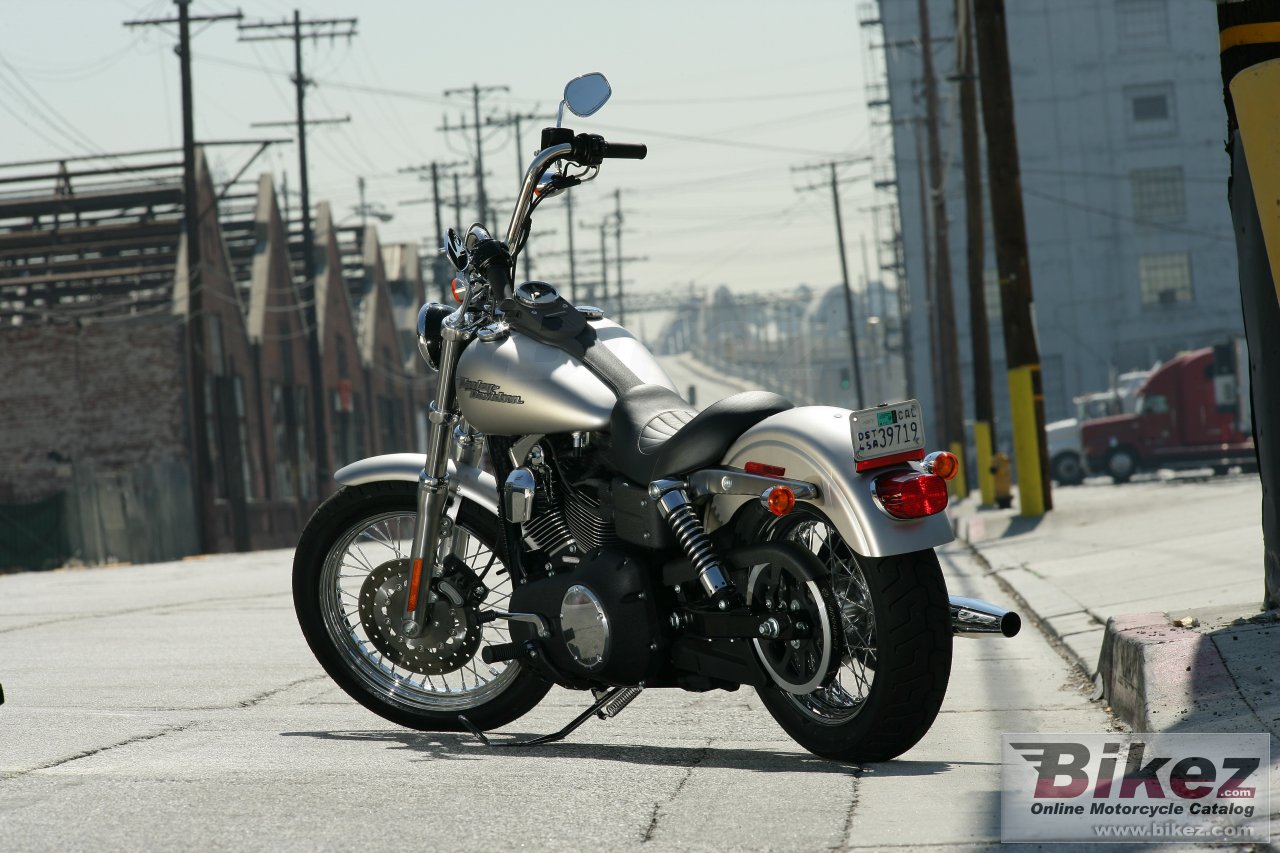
(972, 617)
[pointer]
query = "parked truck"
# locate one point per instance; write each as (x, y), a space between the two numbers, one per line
(1191, 412)
(1066, 450)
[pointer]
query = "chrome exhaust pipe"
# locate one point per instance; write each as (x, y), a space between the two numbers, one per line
(972, 617)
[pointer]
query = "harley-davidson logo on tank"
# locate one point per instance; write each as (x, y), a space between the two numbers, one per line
(489, 391)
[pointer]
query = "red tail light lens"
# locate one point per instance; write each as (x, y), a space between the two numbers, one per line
(764, 469)
(910, 494)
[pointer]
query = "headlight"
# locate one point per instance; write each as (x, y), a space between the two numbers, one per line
(430, 320)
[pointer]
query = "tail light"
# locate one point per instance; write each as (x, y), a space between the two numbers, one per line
(911, 494)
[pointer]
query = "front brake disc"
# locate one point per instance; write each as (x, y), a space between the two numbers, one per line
(449, 642)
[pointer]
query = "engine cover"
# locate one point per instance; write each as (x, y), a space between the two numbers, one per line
(604, 619)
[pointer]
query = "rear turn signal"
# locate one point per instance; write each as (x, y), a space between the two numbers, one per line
(942, 464)
(910, 494)
(779, 500)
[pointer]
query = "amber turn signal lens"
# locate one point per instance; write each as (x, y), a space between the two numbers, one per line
(779, 500)
(459, 289)
(942, 464)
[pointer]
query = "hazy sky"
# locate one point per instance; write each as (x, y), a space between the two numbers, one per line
(729, 97)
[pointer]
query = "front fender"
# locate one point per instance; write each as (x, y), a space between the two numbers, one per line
(473, 484)
(813, 443)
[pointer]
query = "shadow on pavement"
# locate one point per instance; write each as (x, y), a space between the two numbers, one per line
(445, 746)
(1020, 524)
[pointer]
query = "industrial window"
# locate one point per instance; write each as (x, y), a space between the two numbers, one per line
(1142, 23)
(242, 435)
(1165, 279)
(991, 294)
(1149, 110)
(280, 416)
(1158, 194)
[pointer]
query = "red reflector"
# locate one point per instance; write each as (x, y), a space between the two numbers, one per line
(764, 470)
(885, 461)
(415, 580)
(910, 494)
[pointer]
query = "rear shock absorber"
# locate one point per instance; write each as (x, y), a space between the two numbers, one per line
(675, 507)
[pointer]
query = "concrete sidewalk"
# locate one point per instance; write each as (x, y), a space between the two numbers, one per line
(1154, 589)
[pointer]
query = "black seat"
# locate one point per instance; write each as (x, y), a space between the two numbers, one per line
(657, 434)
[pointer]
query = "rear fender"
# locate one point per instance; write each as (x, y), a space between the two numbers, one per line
(475, 485)
(813, 443)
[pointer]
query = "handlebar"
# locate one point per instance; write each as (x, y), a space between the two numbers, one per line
(625, 150)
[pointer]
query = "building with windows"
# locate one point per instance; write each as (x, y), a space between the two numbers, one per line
(1120, 123)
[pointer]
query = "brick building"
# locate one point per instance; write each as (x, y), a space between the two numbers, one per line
(95, 410)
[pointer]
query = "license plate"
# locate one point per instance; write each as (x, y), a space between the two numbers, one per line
(887, 430)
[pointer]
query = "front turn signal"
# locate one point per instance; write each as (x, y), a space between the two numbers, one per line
(779, 500)
(942, 464)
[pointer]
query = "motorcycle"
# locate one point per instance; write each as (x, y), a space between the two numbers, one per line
(576, 522)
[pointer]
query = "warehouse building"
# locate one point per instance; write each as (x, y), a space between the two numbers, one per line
(97, 460)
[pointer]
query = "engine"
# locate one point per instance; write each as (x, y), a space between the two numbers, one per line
(603, 618)
(591, 587)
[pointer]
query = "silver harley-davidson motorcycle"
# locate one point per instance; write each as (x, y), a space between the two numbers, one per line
(575, 521)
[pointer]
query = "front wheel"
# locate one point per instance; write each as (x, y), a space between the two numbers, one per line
(893, 641)
(1121, 465)
(350, 574)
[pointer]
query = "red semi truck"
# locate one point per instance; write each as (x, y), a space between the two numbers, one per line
(1192, 412)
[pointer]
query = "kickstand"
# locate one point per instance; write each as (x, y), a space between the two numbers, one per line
(608, 705)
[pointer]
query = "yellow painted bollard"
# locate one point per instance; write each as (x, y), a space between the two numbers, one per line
(1026, 441)
(1002, 480)
(986, 481)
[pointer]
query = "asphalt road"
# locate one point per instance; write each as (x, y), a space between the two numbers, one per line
(176, 706)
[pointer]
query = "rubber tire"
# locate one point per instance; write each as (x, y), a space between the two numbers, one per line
(328, 524)
(913, 628)
(1067, 469)
(1125, 472)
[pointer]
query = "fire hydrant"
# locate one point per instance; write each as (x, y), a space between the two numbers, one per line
(1002, 472)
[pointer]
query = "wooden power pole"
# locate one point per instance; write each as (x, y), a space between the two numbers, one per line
(948, 363)
(1022, 353)
(979, 334)
(297, 30)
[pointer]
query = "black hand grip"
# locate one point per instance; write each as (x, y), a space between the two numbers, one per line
(625, 151)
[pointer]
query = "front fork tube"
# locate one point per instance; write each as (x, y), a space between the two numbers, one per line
(433, 488)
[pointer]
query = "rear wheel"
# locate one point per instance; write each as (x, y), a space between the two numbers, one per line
(892, 648)
(1067, 470)
(349, 575)
(1121, 464)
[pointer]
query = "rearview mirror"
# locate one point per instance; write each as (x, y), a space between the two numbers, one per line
(584, 95)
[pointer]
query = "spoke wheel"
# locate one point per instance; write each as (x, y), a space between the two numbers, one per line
(893, 645)
(350, 576)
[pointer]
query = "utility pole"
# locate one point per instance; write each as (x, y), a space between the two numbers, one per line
(617, 253)
(979, 335)
(1022, 353)
(514, 120)
(835, 181)
(438, 272)
(296, 30)
(944, 300)
(194, 322)
(573, 269)
(604, 261)
(482, 204)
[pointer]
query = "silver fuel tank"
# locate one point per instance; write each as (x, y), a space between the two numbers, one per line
(518, 386)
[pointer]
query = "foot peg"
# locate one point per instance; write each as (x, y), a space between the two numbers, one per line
(608, 704)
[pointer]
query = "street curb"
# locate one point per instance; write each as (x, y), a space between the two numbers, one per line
(1028, 613)
(1154, 675)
